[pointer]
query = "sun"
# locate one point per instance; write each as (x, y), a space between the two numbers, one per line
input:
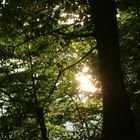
(85, 81)
(86, 88)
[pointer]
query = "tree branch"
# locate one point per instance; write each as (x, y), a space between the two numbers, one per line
(74, 35)
(63, 70)
(72, 65)
(46, 33)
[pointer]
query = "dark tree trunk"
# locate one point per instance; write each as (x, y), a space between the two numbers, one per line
(117, 115)
(41, 121)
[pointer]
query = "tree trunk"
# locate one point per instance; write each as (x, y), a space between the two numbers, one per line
(117, 115)
(41, 121)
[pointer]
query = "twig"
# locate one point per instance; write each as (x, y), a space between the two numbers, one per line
(63, 70)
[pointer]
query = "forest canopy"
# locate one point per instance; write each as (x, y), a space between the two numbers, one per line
(52, 68)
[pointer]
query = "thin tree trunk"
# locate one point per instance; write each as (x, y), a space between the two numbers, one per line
(38, 110)
(41, 121)
(117, 115)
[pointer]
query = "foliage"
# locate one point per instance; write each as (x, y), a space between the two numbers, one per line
(129, 41)
(43, 45)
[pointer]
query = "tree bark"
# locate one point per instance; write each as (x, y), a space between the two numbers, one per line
(41, 121)
(117, 115)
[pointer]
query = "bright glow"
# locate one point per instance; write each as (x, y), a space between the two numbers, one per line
(83, 98)
(85, 83)
(85, 69)
(88, 88)
(84, 80)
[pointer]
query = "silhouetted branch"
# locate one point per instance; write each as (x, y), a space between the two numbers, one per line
(75, 35)
(43, 34)
(63, 70)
